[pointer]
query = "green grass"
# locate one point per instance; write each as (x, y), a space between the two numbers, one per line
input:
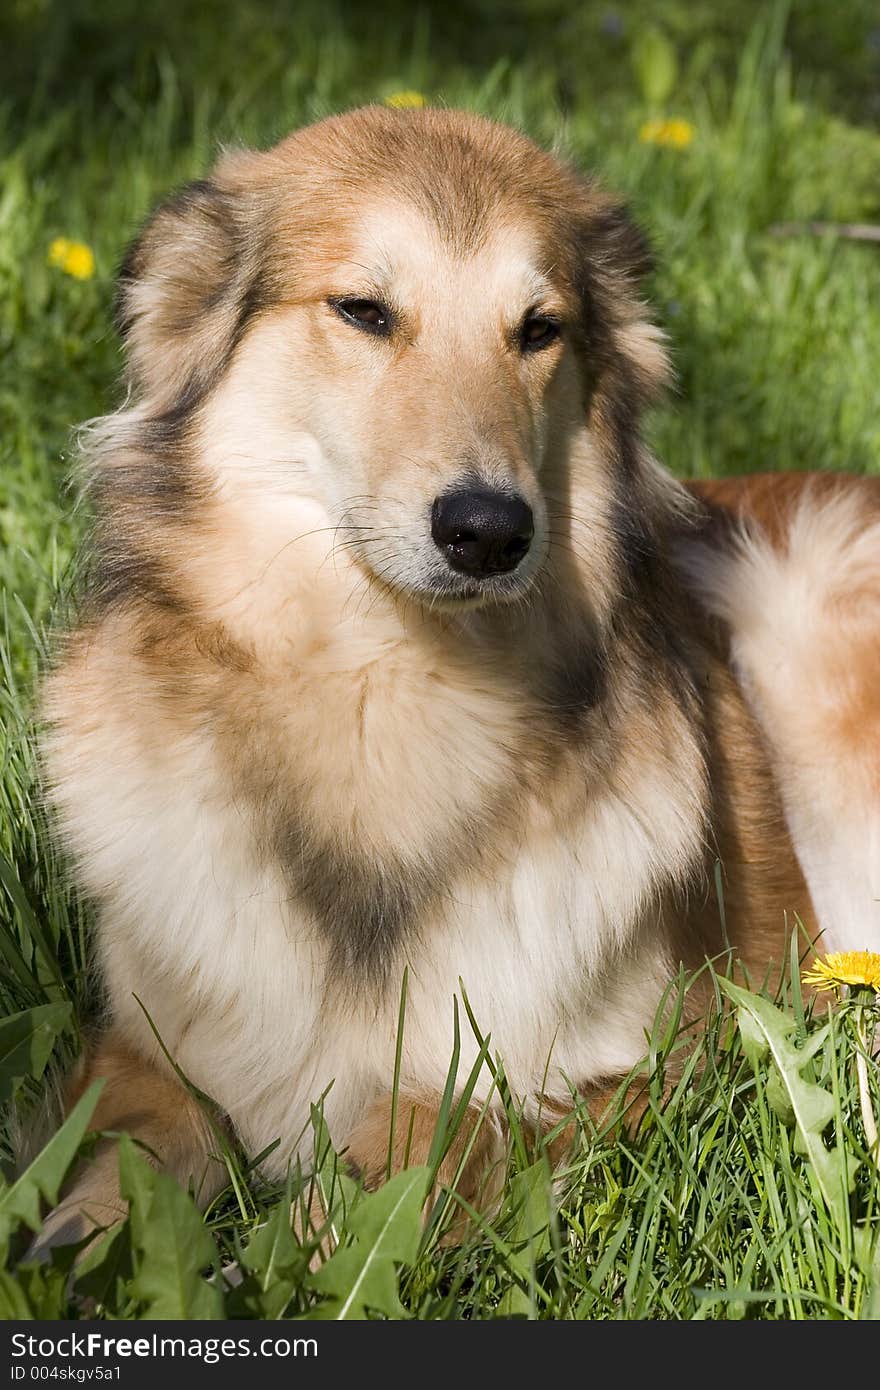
(709, 1210)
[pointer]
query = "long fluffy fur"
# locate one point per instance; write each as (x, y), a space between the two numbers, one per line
(291, 760)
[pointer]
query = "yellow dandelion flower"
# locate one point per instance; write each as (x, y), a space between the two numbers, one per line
(401, 100)
(73, 257)
(858, 968)
(675, 132)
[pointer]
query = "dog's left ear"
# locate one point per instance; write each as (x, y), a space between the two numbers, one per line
(184, 294)
(622, 242)
(615, 259)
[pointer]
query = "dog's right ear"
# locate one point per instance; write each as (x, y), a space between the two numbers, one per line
(184, 295)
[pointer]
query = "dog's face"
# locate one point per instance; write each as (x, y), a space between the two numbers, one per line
(405, 319)
(426, 376)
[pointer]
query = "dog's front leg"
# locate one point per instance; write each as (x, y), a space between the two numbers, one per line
(472, 1165)
(155, 1109)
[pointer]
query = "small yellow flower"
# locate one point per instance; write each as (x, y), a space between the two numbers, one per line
(675, 132)
(859, 968)
(73, 257)
(400, 100)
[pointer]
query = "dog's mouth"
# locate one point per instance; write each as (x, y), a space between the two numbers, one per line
(437, 586)
(456, 591)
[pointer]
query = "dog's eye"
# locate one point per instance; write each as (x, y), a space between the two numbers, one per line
(538, 332)
(364, 313)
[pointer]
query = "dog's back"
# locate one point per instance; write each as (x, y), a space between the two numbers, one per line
(791, 564)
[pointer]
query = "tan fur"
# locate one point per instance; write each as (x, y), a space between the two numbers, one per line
(473, 1164)
(292, 756)
(157, 1111)
(799, 590)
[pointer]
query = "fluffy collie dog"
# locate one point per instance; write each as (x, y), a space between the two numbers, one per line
(402, 653)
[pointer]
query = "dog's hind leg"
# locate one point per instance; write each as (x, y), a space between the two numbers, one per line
(804, 617)
(154, 1108)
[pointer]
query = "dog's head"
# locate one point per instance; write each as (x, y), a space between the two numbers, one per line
(408, 319)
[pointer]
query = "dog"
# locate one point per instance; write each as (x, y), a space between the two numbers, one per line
(401, 654)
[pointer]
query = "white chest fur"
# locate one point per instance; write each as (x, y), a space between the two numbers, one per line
(387, 740)
(234, 974)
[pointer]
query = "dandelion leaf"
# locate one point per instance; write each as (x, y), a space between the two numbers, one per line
(275, 1262)
(33, 1291)
(754, 1042)
(104, 1270)
(778, 1096)
(385, 1229)
(529, 1238)
(20, 1203)
(811, 1106)
(171, 1245)
(26, 1043)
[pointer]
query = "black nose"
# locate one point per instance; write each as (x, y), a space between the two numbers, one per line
(482, 533)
